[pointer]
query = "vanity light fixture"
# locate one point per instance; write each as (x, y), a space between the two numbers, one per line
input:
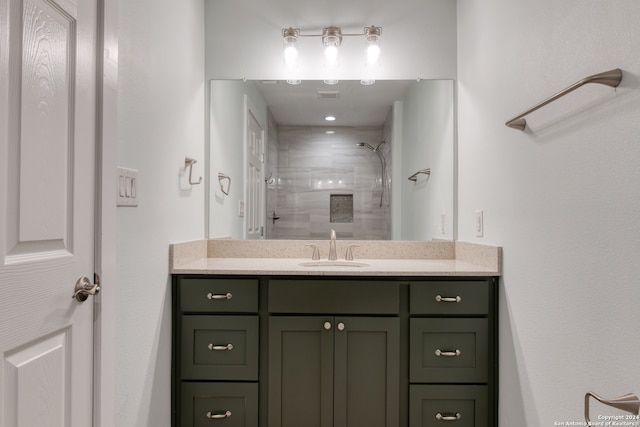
(331, 40)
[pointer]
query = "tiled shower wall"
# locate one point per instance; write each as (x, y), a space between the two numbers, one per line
(312, 166)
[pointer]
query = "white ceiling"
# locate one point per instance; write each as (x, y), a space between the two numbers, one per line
(352, 105)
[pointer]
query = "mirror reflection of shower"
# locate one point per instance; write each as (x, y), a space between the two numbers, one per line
(383, 163)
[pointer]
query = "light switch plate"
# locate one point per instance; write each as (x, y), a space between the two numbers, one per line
(479, 224)
(127, 190)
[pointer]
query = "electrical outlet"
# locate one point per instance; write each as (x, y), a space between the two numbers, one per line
(479, 224)
(127, 191)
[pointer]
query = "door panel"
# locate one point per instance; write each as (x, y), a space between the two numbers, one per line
(25, 368)
(47, 207)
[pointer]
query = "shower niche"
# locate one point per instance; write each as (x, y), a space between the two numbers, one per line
(341, 208)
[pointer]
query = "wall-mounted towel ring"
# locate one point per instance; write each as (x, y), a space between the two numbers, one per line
(414, 177)
(221, 178)
(629, 402)
(188, 163)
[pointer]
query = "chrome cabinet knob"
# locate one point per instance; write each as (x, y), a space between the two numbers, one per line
(327, 326)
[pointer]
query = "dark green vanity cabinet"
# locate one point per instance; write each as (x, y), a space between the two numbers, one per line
(288, 351)
(334, 353)
(453, 353)
(216, 351)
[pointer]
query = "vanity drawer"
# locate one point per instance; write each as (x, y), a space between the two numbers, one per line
(436, 405)
(220, 348)
(215, 295)
(333, 297)
(225, 404)
(448, 350)
(450, 297)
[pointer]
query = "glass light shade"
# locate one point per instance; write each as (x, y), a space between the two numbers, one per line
(331, 54)
(290, 53)
(373, 53)
(290, 42)
(372, 38)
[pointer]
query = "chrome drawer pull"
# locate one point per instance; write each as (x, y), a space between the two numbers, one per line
(440, 298)
(447, 353)
(218, 416)
(228, 295)
(227, 347)
(441, 417)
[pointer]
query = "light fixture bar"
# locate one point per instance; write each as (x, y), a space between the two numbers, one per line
(331, 40)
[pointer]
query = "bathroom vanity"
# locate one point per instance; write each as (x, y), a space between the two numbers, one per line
(279, 343)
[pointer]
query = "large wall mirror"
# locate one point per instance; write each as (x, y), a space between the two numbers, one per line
(383, 169)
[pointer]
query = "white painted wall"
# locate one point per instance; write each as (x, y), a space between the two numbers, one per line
(562, 198)
(161, 120)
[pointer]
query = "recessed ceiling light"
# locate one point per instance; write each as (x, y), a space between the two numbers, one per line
(294, 82)
(330, 118)
(330, 132)
(331, 82)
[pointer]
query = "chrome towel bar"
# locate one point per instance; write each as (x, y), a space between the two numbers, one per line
(610, 78)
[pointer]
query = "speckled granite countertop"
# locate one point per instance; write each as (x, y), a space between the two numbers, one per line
(382, 258)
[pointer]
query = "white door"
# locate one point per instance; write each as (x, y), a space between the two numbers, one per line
(254, 219)
(47, 207)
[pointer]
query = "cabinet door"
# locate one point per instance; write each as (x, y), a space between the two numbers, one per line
(367, 358)
(300, 371)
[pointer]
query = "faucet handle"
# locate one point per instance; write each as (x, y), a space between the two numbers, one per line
(316, 251)
(349, 255)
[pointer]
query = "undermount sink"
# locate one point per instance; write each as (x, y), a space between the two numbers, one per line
(328, 263)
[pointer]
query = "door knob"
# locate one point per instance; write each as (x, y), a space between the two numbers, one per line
(84, 288)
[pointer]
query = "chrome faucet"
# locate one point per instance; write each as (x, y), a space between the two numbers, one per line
(332, 246)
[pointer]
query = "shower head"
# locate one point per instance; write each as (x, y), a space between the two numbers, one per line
(370, 147)
(364, 144)
(382, 163)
